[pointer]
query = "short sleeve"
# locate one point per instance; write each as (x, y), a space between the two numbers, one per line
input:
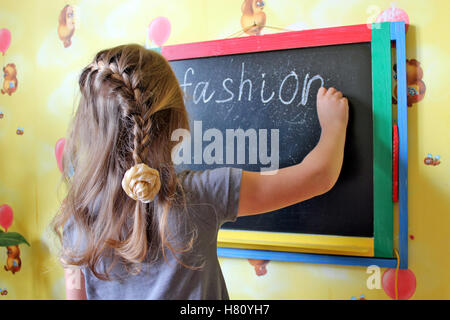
(72, 235)
(68, 241)
(72, 238)
(68, 237)
(217, 189)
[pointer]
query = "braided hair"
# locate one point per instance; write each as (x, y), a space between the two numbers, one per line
(130, 105)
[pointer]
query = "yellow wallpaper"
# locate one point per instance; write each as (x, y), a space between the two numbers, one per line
(45, 95)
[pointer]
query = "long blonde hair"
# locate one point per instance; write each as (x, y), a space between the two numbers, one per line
(130, 104)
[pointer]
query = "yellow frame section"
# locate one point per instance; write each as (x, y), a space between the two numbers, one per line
(292, 242)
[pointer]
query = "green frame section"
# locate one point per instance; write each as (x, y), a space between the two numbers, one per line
(382, 140)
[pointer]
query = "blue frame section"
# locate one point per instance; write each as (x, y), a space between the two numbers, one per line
(397, 35)
(305, 257)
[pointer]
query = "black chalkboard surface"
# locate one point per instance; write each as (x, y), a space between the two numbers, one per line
(274, 92)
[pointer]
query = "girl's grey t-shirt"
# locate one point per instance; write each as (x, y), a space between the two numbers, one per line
(212, 198)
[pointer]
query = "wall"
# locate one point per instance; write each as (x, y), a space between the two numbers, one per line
(46, 94)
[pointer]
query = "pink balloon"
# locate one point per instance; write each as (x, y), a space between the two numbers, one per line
(159, 30)
(5, 40)
(406, 283)
(59, 148)
(6, 216)
(392, 15)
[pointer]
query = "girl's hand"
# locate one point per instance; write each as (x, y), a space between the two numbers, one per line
(332, 109)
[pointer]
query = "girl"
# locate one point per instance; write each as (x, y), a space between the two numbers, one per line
(135, 229)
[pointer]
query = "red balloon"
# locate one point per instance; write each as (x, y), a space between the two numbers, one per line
(6, 216)
(406, 283)
(59, 148)
(5, 40)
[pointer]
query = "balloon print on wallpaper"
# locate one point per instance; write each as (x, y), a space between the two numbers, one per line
(159, 30)
(406, 285)
(393, 14)
(59, 148)
(5, 40)
(6, 216)
(10, 82)
(10, 240)
(66, 25)
(253, 17)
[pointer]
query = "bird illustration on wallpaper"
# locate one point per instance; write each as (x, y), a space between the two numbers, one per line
(10, 82)
(10, 240)
(253, 17)
(259, 265)
(430, 161)
(416, 87)
(66, 27)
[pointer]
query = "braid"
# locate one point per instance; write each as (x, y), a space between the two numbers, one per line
(139, 182)
(142, 127)
(126, 88)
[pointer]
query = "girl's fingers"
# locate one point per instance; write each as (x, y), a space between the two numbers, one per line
(322, 91)
(331, 91)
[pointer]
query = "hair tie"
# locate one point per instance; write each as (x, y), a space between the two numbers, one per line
(141, 182)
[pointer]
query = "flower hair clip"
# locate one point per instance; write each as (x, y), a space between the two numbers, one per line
(141, 183)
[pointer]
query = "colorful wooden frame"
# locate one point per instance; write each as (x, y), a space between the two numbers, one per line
(329, 249)
(382, 141)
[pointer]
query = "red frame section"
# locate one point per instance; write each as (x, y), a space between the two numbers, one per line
(395, 150)
(269, 42)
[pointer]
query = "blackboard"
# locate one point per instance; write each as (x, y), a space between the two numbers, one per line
(219, 96)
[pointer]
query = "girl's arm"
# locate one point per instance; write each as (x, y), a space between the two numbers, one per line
(75, 289)
(315, 175)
